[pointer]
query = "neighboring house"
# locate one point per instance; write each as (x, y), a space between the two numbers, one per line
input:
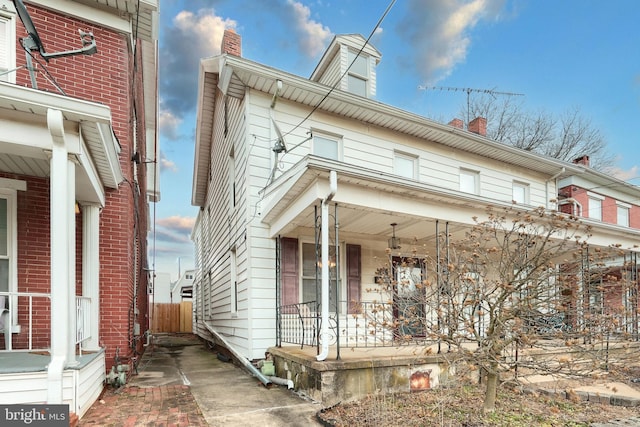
(161, 289)
(306, 182)
(182, 289)
(77, 171)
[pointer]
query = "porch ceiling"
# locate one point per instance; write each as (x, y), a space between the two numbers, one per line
(26, 141)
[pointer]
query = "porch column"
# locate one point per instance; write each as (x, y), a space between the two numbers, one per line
(91, 270)
(59, 223)
(70, 213)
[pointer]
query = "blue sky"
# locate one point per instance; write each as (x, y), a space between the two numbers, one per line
(561, 54)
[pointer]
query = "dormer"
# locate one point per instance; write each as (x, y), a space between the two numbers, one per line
(361, 77)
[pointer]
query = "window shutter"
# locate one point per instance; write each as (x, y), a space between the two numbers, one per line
(290, 271)
(354, 277)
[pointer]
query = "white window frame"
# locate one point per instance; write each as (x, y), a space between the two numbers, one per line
(233, 282)
(10, 195)
(319, 137)
(355, 75)
(401, 161)
(468, 173)
(8, 60)
(517, 185)
(593, 199)
(620, 208)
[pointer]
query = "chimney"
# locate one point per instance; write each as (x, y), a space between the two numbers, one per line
(479, 126)
(457, 123)
(584, 161)
(231, 43)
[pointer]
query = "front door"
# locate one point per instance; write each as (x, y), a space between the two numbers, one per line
(409, 304)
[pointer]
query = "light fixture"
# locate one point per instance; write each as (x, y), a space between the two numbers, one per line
(394, 242)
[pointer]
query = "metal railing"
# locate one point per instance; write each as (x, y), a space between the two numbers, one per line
(28, 330)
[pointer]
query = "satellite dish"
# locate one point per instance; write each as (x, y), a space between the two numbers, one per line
(33, 43)
(279, 146)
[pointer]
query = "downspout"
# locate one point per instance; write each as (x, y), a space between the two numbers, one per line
(324, 235)
(546, 185)
(252, 369)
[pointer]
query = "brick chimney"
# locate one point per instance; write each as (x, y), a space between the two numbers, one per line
(583, 160)
(231, 43)
(457, 123)
(479, 126)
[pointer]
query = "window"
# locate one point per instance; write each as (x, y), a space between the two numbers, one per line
(469, 181)
(7, 47)
(623, 214)
(520, 193)
(309, 274)
(232, 180)
(405, 165)
(233, 281)
(358, 74)
(595, 206)
(8, 243)
(326, 146)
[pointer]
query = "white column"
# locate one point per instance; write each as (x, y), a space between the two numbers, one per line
(71, 259)
(59, 256)
(91, 270)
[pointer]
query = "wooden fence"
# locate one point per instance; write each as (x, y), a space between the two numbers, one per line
(174, 317)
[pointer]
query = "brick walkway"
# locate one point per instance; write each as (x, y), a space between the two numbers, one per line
(166, 406)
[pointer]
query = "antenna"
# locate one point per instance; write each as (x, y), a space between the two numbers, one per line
(33, 42)
(469, 90)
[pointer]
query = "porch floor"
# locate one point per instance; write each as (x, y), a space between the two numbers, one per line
(12, 362)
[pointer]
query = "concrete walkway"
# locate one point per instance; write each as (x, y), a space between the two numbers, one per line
(181, 368)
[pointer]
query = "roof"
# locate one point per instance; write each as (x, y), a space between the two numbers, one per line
(233, 75)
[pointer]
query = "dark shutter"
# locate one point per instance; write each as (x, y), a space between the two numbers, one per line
(290, 271)
(354, 278)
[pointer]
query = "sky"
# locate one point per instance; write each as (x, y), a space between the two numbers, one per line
(560, 54)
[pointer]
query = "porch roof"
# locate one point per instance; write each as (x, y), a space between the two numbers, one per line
(369, 201)
(26, 140)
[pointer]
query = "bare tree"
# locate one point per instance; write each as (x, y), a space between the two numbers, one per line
(567, 137)
(521, 290)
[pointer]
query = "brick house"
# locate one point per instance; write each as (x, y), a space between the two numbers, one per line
(77, 172)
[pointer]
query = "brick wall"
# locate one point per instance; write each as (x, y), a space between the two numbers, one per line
(108, 77)
(609, 206)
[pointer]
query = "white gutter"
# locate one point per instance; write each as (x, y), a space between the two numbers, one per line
(577, 207)
(546, 185)
(333, 187)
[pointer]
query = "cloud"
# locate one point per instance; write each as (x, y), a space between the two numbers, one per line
(168, 123)
(624, 175)
(177, 222)
(170, 236)
(190, 37)
(167, 165)
(439, 33)
(313, 36)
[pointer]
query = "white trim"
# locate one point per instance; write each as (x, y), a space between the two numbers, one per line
(623, 204)
(13, 184)
(595, 195)
(87, 13)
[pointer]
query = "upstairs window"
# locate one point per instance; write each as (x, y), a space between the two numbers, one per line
(595, 206)
(326, 146)
(520, 193)
(405, 165)
(623, 214)
(358, 75)
(7, 47)
(469, 181)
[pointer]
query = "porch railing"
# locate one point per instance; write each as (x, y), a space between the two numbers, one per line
(30, 328)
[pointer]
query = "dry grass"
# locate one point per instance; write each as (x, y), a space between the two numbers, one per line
(460, 406)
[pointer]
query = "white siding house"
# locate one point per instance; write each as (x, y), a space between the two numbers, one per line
(267, 146)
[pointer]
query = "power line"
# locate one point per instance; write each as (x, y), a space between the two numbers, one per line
(468, 90)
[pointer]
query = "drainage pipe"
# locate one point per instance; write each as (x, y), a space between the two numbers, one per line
(252, 369)
(324, 235)
(282, 381)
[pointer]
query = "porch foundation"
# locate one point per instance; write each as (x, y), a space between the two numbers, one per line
(360, 372)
